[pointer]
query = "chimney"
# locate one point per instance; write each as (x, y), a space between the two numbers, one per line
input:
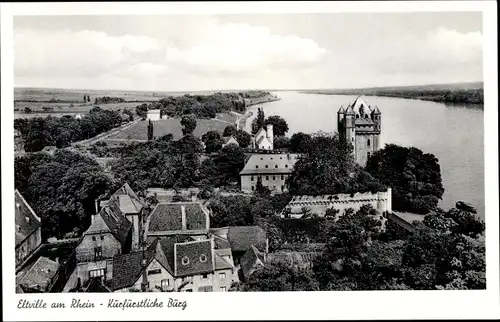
(183, 214)
(270, 135)
(27, 219)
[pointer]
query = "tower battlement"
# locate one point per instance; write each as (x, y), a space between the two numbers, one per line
(360, 124)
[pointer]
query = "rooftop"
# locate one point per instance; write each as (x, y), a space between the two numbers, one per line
(178, 216)
(193, 258)
(27, 221)
(270, 163)
(39, 275)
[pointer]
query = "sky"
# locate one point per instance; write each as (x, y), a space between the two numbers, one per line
(264, 51)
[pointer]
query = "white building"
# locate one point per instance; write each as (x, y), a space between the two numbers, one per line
(154, 115)
(264, 139)
(273, 170)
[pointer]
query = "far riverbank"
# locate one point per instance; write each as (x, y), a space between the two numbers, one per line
(252, 102)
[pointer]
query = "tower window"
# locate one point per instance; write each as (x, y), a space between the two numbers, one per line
(368, 142)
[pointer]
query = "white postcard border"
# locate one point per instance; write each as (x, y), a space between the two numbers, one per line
(282, 305)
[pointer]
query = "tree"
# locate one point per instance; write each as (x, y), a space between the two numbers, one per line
(142, 111)
(84, 98)
(259, 122)
(281, 142)
(230, 160)
(300, 142)
(213, 141)
(277, 276)
(229, 130)
(150, 131)
(415, 177)
(329, 168)
(27, 110)
(260, 189)
(243, 138)
(231, 211)
(188, 123)
(280, 126)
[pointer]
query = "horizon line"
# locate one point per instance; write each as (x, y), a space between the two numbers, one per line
(249, 89)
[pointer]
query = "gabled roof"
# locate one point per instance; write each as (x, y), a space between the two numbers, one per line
(251, 260)
(39, 275)
(221, 243)
(230, 140)
(117, 224)
(276, 163)
(221, 263)
(167, 245)
(242, 238)
(27, 221)
(169, 217)
(95, 285)
(127, 199)
(360, 105)
(261, 133)
(128, 268)
(193, 258)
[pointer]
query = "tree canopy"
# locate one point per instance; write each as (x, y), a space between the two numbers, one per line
(415, 177)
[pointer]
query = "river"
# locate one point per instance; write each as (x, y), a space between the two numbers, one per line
(454, 134)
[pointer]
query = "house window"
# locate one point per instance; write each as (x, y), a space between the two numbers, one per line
(274, 177)
(368, 142)
(276, 166)
(204, 276)
(97, 252)
(165, 283)
(223, 289)
(97, 273)
(222, 276)
(102, 237)
(267, 177)
(282, 188)
(286, 165)
(154, 271)
(267, 166)
(251, 178)
(256, 166)
(282, 177)
(253, 188)
(93, 238)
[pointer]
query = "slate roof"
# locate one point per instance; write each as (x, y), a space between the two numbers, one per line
(95, 285)
(251, 260)
(116, 223)
(168, 217)
(193, 258)
(39, 275)
(221, 243)
(242, 238)
(127, 268)
(27, 222)
(364, 121)
(276, 163)
(167, 245)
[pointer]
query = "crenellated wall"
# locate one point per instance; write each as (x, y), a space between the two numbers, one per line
(381, 201)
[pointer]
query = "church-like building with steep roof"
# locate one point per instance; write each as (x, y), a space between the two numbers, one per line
(360, 124)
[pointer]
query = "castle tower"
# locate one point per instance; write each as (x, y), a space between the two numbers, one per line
(360, 125)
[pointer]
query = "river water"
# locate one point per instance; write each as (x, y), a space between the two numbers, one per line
(454, 134)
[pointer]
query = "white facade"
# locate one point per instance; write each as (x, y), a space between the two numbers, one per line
(264, 139)
(154, 115)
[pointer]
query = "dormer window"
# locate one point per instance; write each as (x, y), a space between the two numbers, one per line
(286, 165)
(267, 166)
(203, 258)
(185, 260)
(276, 166)
(256, 166)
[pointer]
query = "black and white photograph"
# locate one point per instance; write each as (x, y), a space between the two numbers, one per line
(248, 152)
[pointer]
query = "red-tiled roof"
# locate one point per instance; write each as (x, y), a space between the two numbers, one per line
(242, 238)
(27, 221)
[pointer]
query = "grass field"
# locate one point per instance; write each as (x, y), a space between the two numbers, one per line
(138, 132)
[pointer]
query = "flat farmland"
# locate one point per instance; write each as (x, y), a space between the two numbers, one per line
(138, 131)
